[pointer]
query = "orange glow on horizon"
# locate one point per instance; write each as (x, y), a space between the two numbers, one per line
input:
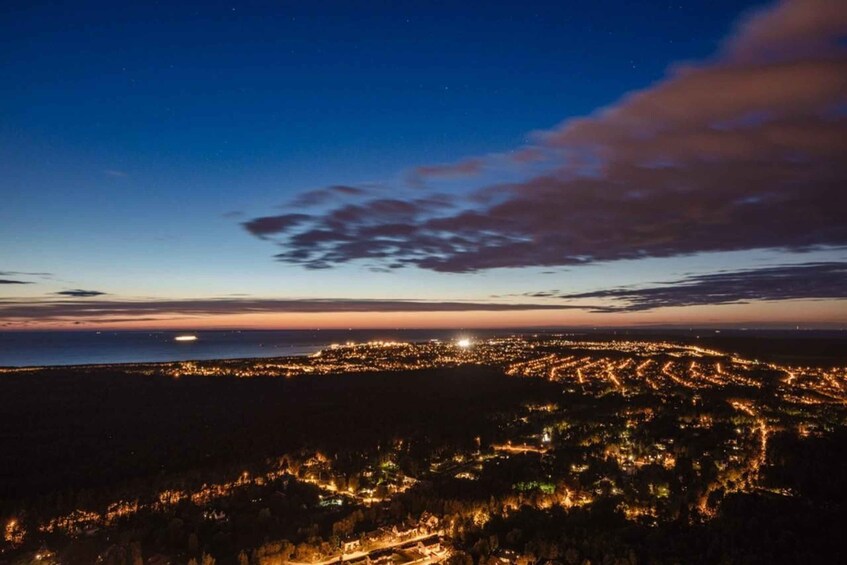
(804, 313)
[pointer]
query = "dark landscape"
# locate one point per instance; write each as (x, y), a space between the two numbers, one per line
(516, 449)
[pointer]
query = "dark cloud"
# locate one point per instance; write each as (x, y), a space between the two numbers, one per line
(268, 225)
(12, 281)
(384, 230)
(747, 150)
(785, 282)
(79, 293)
(44, 310)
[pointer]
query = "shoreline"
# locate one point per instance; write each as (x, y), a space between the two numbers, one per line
(728, 341)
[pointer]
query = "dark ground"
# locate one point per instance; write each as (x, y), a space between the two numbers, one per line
(68, 429)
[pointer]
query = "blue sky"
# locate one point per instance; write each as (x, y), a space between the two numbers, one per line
(136, 139)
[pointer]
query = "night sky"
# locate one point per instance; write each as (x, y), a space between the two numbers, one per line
(423, 164)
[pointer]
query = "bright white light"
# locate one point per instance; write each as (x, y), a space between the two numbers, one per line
(185, 338)
(464, 343)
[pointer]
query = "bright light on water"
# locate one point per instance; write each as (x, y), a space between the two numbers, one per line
(185, 338)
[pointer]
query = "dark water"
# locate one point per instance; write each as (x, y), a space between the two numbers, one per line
(23, 349)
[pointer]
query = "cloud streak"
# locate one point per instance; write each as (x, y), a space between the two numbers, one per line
(744, 151)
(465, 168)
(107, 310)
(16, 274)
(808, 280)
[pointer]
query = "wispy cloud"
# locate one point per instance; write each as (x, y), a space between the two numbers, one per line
(328, 194)
(12, 281)
(743, 151)
(464, 168)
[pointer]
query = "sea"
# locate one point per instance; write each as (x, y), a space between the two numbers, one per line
(52, 348)
(80, 347)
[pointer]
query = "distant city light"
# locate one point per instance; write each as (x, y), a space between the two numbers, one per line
(464, 342)
(185, 338)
